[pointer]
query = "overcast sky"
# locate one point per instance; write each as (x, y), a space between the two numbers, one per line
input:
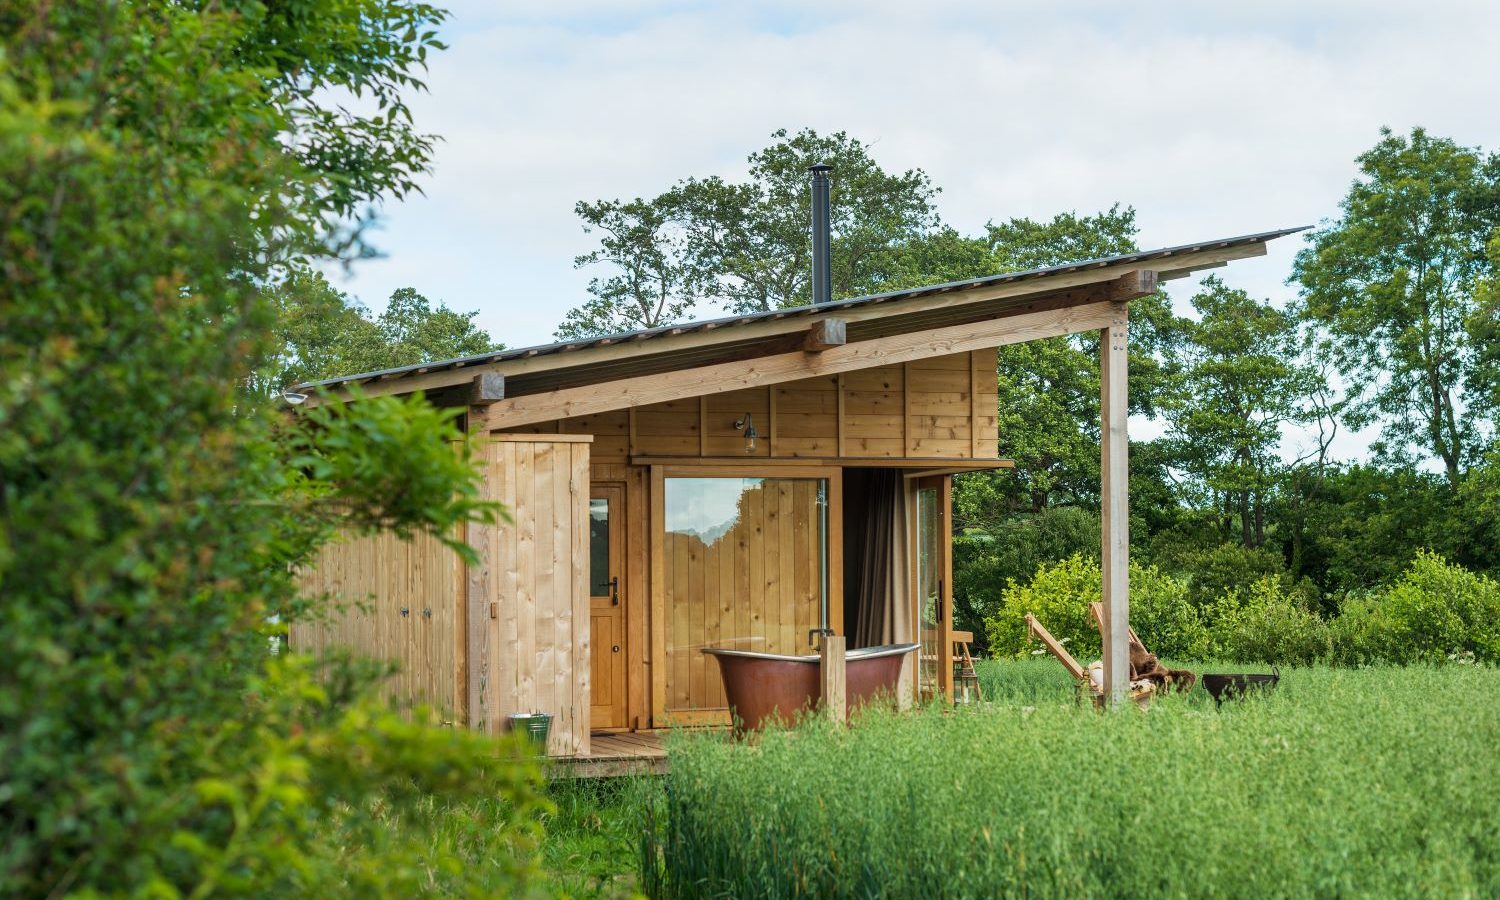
(1212, 120)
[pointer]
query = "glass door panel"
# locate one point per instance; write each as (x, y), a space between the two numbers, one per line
(744, 567)
(932, 569)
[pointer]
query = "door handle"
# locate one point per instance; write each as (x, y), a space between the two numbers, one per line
(614, 591)
(941, 599)
(615, 648)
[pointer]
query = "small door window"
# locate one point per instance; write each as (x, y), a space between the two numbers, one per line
(599, 547)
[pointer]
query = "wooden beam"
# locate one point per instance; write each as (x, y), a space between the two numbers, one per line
(832, 678)
(1114, 467)
(824, 334)
(1131, 286)
(689, 339)
(486, 388)
(1173, 274)
(644, 390)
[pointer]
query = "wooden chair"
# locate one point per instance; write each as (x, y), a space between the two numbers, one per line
(1140, 693)
(1181, 679)
(965, 678)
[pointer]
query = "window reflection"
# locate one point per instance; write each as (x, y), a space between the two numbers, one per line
(599, 547)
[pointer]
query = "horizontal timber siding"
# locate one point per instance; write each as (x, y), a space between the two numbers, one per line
(943, 407)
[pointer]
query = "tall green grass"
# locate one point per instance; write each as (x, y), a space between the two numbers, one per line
(1368, 782)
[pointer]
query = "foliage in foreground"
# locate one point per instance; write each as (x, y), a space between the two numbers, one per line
(160, 164)
(1375, 782)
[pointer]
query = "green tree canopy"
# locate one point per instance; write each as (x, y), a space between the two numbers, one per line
(745, 246)
(1391, 286)
(323, 333)
(1241, 382)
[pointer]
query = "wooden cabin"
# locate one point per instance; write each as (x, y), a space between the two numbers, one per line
(739, 482)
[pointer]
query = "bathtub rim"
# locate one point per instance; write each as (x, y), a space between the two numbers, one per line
(849, 655)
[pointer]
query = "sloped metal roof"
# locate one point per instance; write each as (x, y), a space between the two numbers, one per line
(631, 337)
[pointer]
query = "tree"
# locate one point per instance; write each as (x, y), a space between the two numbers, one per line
(750, 243)
(323, 333)
(1240, 383)
(746, 246)
(160, 163)
(413, 331)
(1049, 390)
(1390, 285)
(642, 241)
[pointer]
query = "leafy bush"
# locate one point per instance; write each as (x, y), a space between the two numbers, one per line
(161, 164)
(1059, 596)
(1340, 782)
(985, 560)
(1262, 623)
(1433, 611)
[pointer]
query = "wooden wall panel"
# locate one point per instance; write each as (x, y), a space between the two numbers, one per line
(539, 639)
(806, 420)
(874, 410)
(942, 407)
(723, 410)
(939, 406)
(986, 402)
(668, 429)
(367, 582)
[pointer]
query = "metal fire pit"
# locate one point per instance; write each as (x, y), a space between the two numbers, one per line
(1234, 686)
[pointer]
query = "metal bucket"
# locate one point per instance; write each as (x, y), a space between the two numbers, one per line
(536, 727)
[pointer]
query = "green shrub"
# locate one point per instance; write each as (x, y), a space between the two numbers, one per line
(1352, 783)
(1262, 623)
(1059, 596)
(1436, 610)
(986, 559)
(1212, 572)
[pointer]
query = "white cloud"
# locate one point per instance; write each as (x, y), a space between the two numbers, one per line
(1211, 119)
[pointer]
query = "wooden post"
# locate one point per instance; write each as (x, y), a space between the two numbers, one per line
(831, 676)
(1114, 469)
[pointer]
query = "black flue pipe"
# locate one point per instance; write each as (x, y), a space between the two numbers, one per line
(822, 263)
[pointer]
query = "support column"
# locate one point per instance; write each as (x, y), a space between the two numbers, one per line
(832, 682)
(1114, 469)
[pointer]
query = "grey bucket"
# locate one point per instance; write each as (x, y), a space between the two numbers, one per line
(535, 726)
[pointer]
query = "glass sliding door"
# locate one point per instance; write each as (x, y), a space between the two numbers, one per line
(933, 572)
(744, 563)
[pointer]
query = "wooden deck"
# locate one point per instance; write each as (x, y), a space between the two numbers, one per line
(616, 754)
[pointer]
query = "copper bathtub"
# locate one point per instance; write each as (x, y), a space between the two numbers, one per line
(762, 686)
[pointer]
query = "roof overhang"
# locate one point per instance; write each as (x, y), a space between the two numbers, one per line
(617, 371)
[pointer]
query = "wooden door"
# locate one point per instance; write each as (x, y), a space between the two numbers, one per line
(607, 600)
(932, 568)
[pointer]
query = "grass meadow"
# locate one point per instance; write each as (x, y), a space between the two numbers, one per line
(1342, 782)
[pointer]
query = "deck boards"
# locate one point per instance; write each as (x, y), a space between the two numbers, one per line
(617, 754)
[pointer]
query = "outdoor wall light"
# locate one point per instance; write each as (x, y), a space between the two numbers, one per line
(747, 424)
(292, 398)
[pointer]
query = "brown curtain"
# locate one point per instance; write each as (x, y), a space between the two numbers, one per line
(875, 566)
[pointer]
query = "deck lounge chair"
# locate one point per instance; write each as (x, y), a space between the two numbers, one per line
(1143, 663)
(1090, 680)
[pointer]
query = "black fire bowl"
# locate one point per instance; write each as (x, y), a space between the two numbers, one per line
(1234, 686)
